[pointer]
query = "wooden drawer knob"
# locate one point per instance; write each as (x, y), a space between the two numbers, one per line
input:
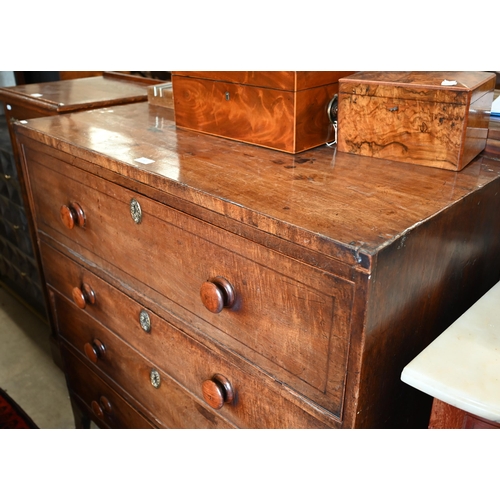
(94, 350)
(72, 215)
(216, 294)
(101, 407)
(217, 391)
(83, 296)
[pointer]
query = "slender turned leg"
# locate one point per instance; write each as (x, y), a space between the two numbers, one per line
(82, 421)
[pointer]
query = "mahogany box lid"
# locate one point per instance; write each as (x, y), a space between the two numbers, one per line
(291, 81)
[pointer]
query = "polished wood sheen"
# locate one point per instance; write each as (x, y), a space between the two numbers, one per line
(83, 295)
(218, 391)
(445, 416)
(217, 294)
(169, 349)
(412, 117)
(72, 215)
(278, 80)
(94, 350)
(344, 267)
(23, 102)
(493, 143)
(283, 110)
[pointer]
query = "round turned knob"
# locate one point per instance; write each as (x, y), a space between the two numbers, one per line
(83, 296)
(217, 294)
(101, 407)
(72, 215)
(217, 391)
(94, 350)
(96, 408)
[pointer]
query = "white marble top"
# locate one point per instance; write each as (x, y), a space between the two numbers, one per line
(462, 366)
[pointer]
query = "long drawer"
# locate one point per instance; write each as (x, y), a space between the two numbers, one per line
(295, 317)
(164, 348)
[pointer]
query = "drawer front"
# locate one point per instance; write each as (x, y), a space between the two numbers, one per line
(174, 355)
(292, 315)
(110, 409)
(129, 370)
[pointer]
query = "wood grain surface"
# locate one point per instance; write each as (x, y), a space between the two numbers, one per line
(286, 111)
(402, 251)
(411, 117)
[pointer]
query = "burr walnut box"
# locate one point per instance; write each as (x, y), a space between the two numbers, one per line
(437, 119)
(283, 110)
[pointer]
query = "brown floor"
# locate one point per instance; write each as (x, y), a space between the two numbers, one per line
(27, 372)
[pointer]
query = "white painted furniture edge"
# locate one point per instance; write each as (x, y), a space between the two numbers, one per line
(462, 366)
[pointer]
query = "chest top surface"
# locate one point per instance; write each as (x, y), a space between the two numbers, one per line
(317, 198)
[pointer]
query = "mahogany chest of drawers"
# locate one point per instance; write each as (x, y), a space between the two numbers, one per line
(196, 281)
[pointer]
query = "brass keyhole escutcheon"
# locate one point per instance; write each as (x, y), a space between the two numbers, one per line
(145, 321)
(135, 211)
(155, 378)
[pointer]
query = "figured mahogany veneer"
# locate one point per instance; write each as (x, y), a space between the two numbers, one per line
(256, 288)
(284, 110)
(342, 268)
(168, 348)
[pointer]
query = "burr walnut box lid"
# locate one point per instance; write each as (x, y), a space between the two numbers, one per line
(282, 110)
(438, 119)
